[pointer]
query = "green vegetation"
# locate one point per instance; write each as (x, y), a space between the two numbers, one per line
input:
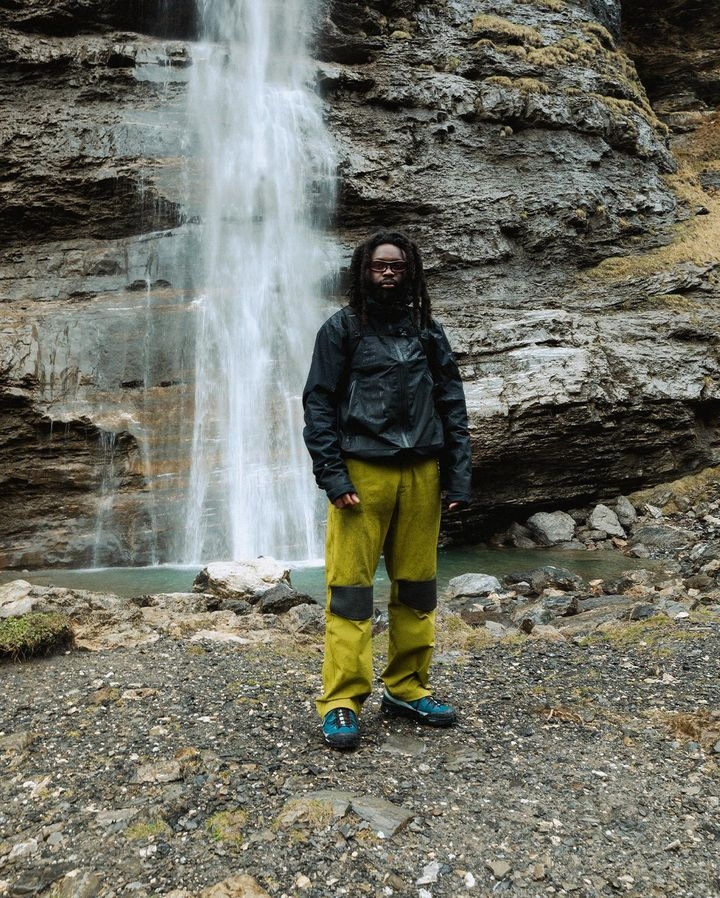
(525, 85)
(652, 633)
(315, 812)
(148, 829)
(195, 649)
(453, 634)
(33, 634)
(227, 826)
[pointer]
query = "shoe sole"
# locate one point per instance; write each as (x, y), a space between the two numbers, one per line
(342, 741)
(446, 720)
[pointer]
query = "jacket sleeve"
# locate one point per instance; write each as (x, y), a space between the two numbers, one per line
(321, 397)
(456, 458)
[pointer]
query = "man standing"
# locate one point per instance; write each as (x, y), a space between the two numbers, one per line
(386, 426)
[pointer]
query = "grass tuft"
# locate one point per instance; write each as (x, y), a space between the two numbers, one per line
(33, 634)
(148, 830)
(503, 30)
(699, 726)
(227, 826)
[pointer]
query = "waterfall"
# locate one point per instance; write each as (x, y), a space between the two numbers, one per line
(266, 168)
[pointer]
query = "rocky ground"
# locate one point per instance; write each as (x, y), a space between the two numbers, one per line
(189, 760)
(587, 768)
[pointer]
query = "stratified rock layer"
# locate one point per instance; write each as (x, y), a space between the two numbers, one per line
(570, 237)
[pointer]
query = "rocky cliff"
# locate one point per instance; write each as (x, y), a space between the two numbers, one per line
(558, 162)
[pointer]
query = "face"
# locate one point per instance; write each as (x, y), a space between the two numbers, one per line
(387, 281)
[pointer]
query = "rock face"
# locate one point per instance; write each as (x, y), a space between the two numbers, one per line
(568, 224)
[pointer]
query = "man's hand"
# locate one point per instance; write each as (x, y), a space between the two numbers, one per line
(347, 500)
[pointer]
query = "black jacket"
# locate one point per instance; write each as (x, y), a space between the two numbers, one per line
(385, 391)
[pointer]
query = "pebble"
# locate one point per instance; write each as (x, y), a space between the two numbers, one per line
(499, 869)
(429, 874)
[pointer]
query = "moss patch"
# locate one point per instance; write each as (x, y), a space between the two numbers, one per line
(227, 826)
(552, 5)
(148, 829)
(33, 634)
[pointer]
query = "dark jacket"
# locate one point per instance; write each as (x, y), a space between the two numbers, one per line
(385, 391)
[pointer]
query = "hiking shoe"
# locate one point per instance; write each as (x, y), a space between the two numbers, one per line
(425, 710)
(340, 728)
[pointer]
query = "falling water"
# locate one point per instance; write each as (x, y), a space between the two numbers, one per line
(267, 166)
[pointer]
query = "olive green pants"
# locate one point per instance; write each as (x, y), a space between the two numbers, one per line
(398, 515)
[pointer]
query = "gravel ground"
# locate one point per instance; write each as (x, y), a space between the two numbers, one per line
(586, 767)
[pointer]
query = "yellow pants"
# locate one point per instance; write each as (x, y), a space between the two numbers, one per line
(399, 515)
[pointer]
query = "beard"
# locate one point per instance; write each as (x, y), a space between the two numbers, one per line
(386, 296)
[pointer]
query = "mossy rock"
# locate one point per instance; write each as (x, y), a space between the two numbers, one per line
(33, 634)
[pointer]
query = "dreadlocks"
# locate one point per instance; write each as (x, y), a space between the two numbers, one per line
(415, 276)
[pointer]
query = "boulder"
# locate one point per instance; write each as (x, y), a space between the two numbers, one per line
(520, 537)
(305, 619)
(473, 585)
(545, 578)
(604, 519)
(242, 579)
(625, 511)
(281, 598)
(662, 536)
(551, 528)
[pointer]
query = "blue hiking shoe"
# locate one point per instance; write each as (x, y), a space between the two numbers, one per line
(424, 710)
(340, 728)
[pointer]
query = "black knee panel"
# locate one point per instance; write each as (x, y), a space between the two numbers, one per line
(352, 602)
(421, 595)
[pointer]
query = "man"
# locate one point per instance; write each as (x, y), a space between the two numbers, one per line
(386, 426)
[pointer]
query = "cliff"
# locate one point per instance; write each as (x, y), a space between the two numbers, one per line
(559, 167)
